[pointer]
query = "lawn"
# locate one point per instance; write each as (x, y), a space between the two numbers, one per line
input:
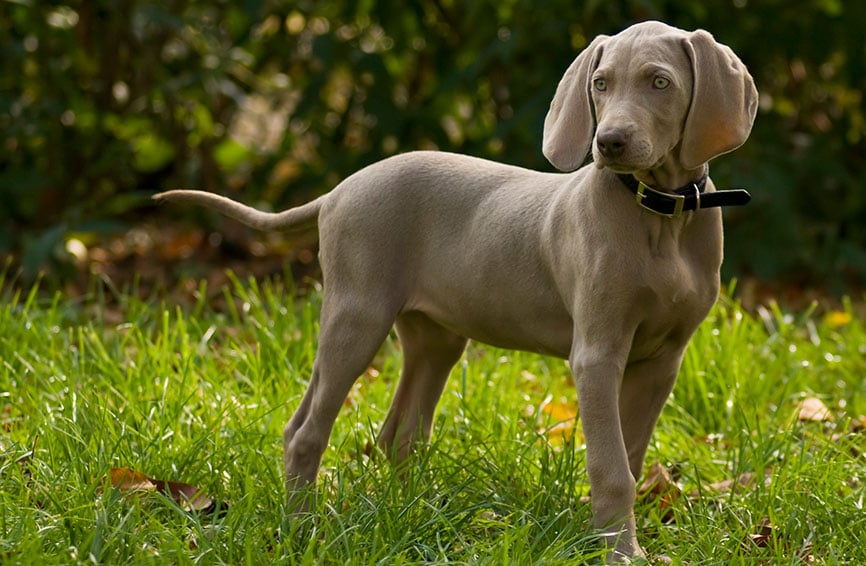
(758, 455)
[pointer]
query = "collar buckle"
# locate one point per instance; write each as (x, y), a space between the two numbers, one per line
(644, 191)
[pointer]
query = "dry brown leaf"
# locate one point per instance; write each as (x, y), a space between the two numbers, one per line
(856, 429)
(371, 375)
(763, 535)
(7, 417)
(187, 496)
(127, 479)
(746, 480)
(531, 382)
(813, 409)
(858, 425)
(767, 536)
(182, 245)
(659, 486)
(715, 440)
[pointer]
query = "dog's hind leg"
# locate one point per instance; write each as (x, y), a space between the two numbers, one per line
(429, 353)
(351, 332)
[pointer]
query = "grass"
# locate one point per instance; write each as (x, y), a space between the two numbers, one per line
(199, 396)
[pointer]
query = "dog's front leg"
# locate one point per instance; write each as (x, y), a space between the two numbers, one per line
(597, 377)
(645, 388)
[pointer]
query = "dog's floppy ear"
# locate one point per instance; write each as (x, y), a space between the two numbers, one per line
(724, 101)
(569, 125)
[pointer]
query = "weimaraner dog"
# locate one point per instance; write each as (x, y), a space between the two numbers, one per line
(612, 265)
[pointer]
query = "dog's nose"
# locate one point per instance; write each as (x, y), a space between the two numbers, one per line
(611, 142)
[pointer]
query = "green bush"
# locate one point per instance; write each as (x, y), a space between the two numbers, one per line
(103, 102)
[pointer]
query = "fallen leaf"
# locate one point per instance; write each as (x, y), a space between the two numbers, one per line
(566, 415)
(858, 425)
(768, 536)
(659, 486)
(24, 462)
(837, 319)
(744, 480)
(715, 439)
(762, 537)
(182, 245)
(559, 411)
(372, 374)
(127, 479)
(813, 409)
(561, 432)
(7, 417)
(856, 429)
(189, 497)
(528, 376)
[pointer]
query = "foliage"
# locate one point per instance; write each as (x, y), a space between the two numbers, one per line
(108, 385)
(102, 102)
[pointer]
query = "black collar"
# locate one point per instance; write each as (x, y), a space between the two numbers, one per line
(689, 197)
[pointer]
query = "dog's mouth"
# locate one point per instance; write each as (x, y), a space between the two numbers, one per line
(617, 167)
(622, 167)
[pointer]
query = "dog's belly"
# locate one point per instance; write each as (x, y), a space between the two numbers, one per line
(525, 324)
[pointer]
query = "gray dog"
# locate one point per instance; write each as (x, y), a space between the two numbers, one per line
(612, 266)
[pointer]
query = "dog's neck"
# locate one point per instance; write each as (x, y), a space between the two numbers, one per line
(672, 202)
(669, 179)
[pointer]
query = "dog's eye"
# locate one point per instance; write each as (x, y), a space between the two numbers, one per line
(661, 83)
(599, 84)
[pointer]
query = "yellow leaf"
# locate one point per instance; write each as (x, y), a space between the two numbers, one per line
(560, 411)
(564, 419)
(837, 319)
(561, 433)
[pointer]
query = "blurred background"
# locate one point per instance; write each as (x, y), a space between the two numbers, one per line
(104, 102)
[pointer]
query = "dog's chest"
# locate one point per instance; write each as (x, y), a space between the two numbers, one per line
(674, 301)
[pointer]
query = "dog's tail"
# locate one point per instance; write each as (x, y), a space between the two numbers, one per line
(293, 220)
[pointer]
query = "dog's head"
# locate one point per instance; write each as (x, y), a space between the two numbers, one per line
(648, 94)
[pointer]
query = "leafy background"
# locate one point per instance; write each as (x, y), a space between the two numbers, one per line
(104, 102)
